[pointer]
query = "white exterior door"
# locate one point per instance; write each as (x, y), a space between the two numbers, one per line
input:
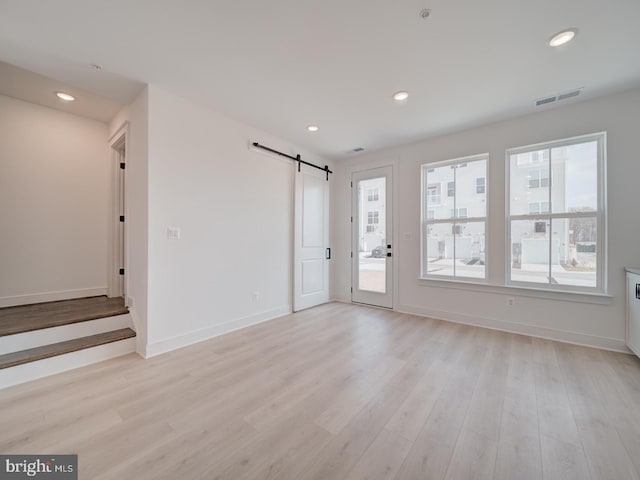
(311, 239)
(372, 242)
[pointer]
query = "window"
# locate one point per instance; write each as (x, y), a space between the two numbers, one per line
(371, 228)
(373, 218)
(460, 212)
(481, 185)
(538, 207)
(373, 195)
(453, 238)
(556, 215)
(433, 194)
(539, 177)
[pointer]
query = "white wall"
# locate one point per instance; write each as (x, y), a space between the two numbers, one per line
(54, 204)
(234, 206)
(136, 210)
(595, 321)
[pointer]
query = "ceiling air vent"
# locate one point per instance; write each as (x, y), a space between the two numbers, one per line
(358, 149)
(564, 96)
(559, 97)
(544, 101)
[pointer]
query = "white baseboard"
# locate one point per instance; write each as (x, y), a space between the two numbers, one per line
(564, 336)
(69, 361)
(340, 298)
(47, 336)
(51, 296)
(196, 336)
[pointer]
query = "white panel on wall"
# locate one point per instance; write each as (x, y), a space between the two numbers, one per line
(312, 226)
(312, 277)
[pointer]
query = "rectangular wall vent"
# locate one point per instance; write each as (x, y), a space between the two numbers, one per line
(566, 95)
(544, 101)
(559, 97)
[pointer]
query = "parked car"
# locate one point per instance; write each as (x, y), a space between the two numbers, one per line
(379, 252)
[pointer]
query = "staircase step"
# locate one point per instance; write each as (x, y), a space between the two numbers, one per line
(55, 349)
(27, 318)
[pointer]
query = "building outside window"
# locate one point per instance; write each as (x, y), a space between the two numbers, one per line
(372, 215)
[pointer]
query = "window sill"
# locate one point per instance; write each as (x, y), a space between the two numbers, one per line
(557, 295)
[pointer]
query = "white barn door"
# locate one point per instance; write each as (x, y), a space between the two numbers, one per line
(311, 239)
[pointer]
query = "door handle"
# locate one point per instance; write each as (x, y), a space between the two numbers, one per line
(638, 291)
(328, 254)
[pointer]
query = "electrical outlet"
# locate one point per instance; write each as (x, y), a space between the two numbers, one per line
(510, 301)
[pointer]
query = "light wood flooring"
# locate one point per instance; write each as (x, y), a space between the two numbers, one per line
(341, 392)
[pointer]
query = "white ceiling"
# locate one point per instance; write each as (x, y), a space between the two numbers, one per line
(25, 85)
(283, 64)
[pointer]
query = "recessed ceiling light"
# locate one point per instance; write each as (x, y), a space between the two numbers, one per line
(313, 128)
(400, 96)
(563, 37)
(65, 96)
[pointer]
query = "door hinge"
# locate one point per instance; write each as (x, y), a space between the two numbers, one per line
(351, 184)
(122, 271)
(351, 219)
(351, 254)
(351, 289)
(122, 218)
(122, 166)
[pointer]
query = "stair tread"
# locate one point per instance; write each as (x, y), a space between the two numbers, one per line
(55, 349)
(27, 318)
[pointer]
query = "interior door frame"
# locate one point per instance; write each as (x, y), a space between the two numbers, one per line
(397, 248)
(118, 258)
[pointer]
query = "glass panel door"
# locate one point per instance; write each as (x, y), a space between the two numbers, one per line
(372, 237)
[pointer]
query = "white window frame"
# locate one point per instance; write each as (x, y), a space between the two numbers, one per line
(600, 214)
(425, 222)
(483, 185)
(373, 194)
(373, 217)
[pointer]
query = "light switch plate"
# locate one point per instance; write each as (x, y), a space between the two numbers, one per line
(173, 233)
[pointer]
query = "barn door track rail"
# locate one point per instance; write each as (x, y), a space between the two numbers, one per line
(295, 159)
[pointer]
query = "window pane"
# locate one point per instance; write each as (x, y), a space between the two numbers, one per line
(575, 251)
(439, 249)
(529, 174)
(470, 250)
(575, 178)
(372, 262)
(436, 181)
(471, 202)
(530, 251)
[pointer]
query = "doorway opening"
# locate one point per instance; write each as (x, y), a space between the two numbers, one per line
(117, 272)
